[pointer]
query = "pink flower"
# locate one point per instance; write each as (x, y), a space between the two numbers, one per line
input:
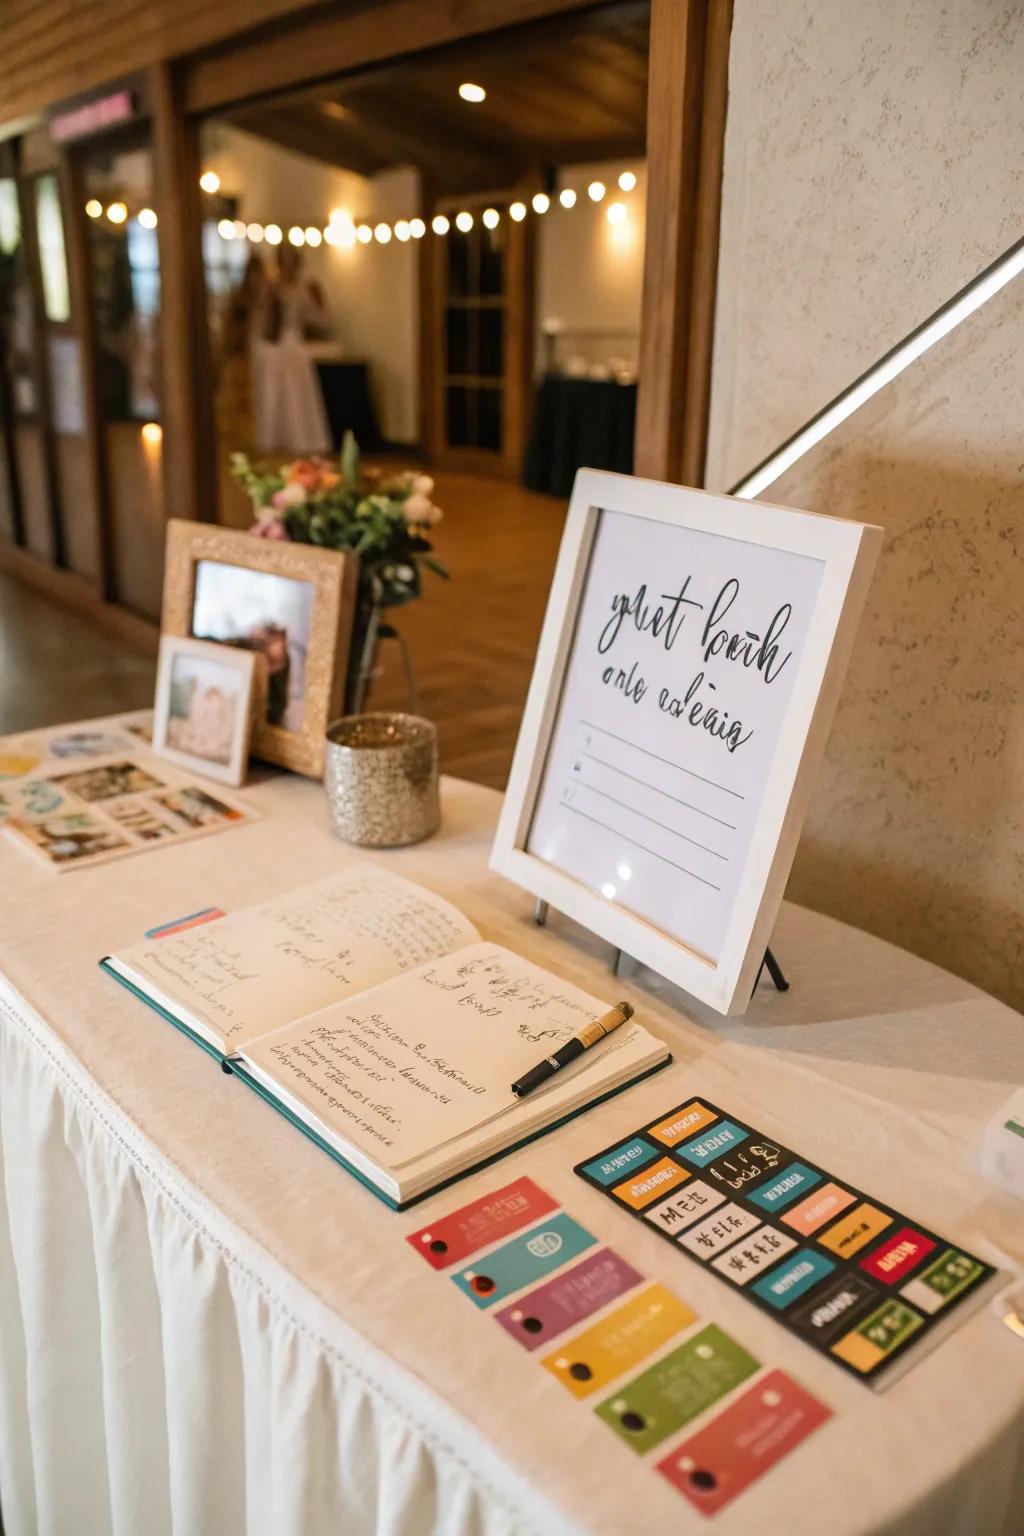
(269, 528)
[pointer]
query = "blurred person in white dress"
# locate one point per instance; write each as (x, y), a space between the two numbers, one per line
(288, 403)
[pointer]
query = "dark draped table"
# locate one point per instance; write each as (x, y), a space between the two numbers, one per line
(578, 423)
(349, 404)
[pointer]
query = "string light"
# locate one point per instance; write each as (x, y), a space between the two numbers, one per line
(596, 191)
(382, 233)
(627, 180)
(439, 224)
(364, 234)
(470, 92)
(464, 221)
(341, 234)
(296, 236)
(567, 197)
(402, 230)
(117, 213)
(255, 233)
(540, 202)
(147, 218)
(616, 213)
(313, 235)
(94, 207)
(239, 228)
(210, 182)
(517, 212)
(490, 217)
(226, 229)
(152, 433)
(273, 234)
(417, 228)
(339, 216)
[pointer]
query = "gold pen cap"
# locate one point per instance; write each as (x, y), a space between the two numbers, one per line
(592, 1033)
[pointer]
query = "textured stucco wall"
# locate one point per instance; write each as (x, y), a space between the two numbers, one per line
(874, 163)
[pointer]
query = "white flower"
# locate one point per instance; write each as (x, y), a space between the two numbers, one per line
(422, 485)
(293, 494)
(405, 573)
(417, 508)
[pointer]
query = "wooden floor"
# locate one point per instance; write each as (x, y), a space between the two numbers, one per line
(472, 639)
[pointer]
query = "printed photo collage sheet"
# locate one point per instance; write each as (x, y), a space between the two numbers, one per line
(673, 1387)
(82, 794)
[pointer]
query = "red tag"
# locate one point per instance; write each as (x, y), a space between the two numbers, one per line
(730, 1453)
(894, 1260)
(452, 1238)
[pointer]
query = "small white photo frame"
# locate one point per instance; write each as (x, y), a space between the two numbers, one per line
(689, 667)
(204, 702)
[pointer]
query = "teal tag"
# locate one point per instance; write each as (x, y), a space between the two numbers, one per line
(524, 1260)
(794, 1180)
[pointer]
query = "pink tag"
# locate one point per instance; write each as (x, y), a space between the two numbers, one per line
(452, 1238)
(745, 1441)
(571, 1296)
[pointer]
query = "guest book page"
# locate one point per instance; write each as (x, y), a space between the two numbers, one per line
(251, 972)
(420, 1061)
(686, 648)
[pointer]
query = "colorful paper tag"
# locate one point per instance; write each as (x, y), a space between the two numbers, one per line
(704, 1149)
(677, 1388)
(719, 1231)
(743, 1442)
(568, 1299)
(795, 1179)
(524, 1260)
(946, 1278)
(650, 1184)
(792, 1279)
(763, 1248)
(684, 1207)
(619, 1341)
(615, 1164)
(895, 1258)
(824, 1205)
(882, 1331)
(452, 1238)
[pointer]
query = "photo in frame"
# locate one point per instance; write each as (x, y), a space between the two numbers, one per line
(689, 666)
(204, 703)
(291, 604)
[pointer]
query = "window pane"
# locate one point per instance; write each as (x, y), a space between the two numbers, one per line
(52, 260)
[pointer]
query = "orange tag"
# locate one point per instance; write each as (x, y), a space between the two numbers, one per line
(651, 1184)
(685, 1122)
(851, 1233)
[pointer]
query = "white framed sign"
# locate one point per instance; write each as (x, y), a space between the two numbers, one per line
(689, 666)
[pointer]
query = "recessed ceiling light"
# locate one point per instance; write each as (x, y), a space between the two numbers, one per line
(470, 92)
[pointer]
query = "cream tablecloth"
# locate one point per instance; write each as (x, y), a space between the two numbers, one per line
(207, 1329)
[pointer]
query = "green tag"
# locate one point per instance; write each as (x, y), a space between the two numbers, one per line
(950, 1275)
(676, 1389)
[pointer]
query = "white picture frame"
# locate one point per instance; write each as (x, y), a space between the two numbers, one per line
(839, 558)
(226, 721)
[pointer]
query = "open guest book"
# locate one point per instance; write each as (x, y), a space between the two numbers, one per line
(370, 1013)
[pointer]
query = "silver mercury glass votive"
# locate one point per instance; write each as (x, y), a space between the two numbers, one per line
(381, 776)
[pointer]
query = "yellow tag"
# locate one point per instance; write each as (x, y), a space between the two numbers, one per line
(850, 1234)
(619, 1341)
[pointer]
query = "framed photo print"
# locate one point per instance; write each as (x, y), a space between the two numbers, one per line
(292, 605)
(203, 713)
(689, 666)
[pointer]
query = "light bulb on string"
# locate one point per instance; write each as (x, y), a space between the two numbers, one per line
(117, 213)
(440, 224)
(417, 228)
(148, 218)
(464, 221)
(596, 191)
(274, 234)
(567, 197)
(517, 212)
(364, 234)
(402, 230)
(540, 202)
(226, 229)
(616, 213)
(627, 180)
(255, 232)
(489, 218)
(313, 235)
(382, 233)
(209, 181)
(296, 236)
(94, 208)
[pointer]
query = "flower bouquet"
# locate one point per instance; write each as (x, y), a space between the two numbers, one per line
(384, 520)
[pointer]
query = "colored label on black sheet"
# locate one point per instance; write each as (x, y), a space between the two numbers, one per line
(665, 1397)
(524, 1260)
(943, 1281)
